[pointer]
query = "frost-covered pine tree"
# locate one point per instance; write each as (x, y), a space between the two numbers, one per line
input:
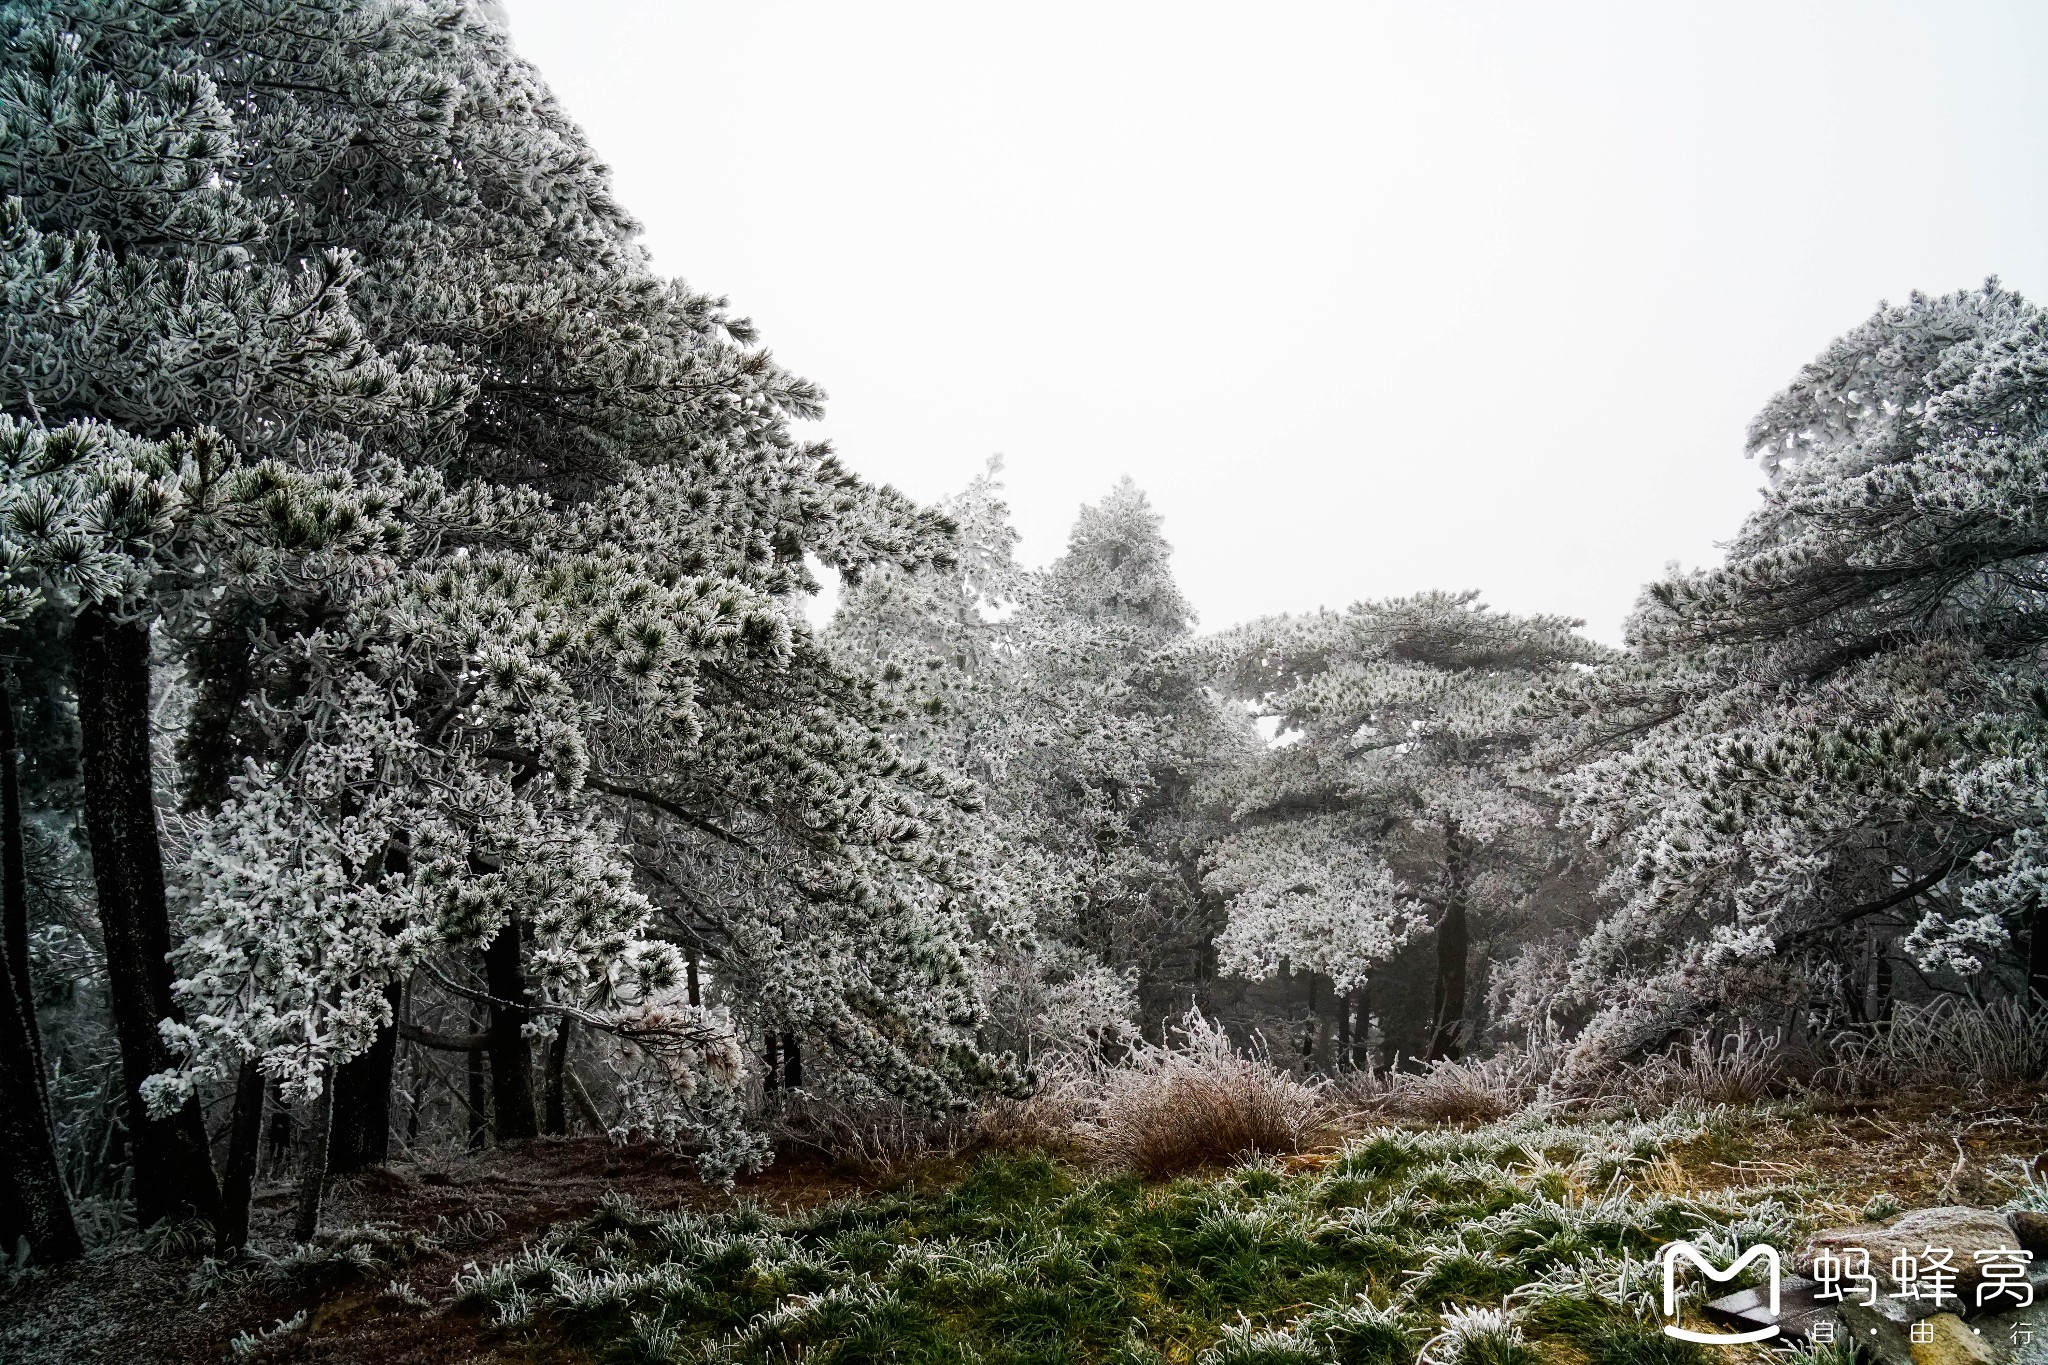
(1392, 801)
(348, 271)
(992, 695)
(1106, 731)
(1825, 755)
(139, 305)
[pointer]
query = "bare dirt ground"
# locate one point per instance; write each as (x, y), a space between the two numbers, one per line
(129, 1305)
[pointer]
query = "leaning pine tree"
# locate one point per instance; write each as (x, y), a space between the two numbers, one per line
(1826, 756)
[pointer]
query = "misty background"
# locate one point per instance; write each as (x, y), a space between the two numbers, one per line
(1368, 298)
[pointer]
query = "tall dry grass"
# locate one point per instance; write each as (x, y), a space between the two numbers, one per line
(1947, 1042)
(1739, 1066)
(877, 1138)
(1201, 1100)
(1198, 1100)
(1444, 1091)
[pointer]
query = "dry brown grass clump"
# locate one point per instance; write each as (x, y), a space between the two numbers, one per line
(1200, 1102)
(877, 1139)
(1444, 1091)
(1464, 1091)
(1738, 1067)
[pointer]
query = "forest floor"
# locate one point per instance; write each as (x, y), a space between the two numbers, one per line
(563, 1251)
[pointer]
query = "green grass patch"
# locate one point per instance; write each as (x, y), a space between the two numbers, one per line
(1481, 1247)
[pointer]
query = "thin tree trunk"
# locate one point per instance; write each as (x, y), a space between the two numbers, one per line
(362, 1101)
(696, 995)
(33, 1201)
(313, 1177)
(245, 1138)
(280, 1134)
(413, 1095)
(554, 1100)
(586, 1106)
(478, 1124)
(14, 870)
(511, 1059)
(1361, 1032)
(771, 1072)
(173, 1170)
(792, 1062)
(1344, 1003)
(1453, 946)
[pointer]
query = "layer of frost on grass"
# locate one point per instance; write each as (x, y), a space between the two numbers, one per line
(1445, 1247)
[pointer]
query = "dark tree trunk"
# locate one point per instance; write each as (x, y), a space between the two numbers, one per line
(313, 1176)
(1453, 946)
(362, 1101)
(479, 1124)
(362, 1085)
(511, 1059)
(554, 1096)
(238, 1182)
(792, 1062)
(173, 1171)
(33, 1201)
(1361, 1031)
(14, 870)
(696, 995)
(771, 1073)
(1344, 1003)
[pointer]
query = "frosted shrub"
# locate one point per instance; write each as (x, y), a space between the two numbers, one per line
(876, 1136)
(1173, 1108)
(1048, 1119)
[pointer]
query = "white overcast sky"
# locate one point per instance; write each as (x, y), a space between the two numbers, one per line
(1368, 298)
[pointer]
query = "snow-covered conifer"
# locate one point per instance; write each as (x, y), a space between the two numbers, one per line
(1825, 754)
(508, 539)
(1392, 801)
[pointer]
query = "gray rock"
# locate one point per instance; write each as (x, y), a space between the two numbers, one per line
(1951, 1341)
(1963, 1231)
(2019, 1334)
(2015, 1337)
